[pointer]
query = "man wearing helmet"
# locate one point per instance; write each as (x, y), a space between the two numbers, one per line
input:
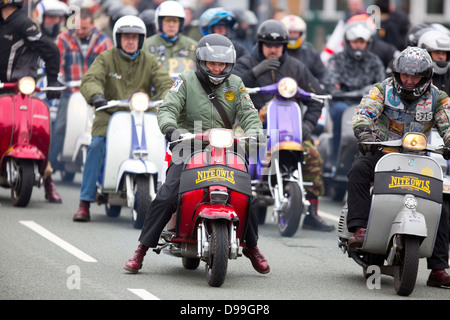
(221, 21)
(116, 74)
(299, 48)
(173, 50)
(351, 70)
(437, 43)
(188, 107)
(21, 44)
(267, 64)
(406, 102)
(50, 16)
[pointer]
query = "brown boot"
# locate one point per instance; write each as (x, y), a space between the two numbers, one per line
(259, 262)
(438, 278)
(135, 263)
(82, 213)
(50, 191)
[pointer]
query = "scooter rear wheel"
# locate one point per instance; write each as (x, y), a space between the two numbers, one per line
(23, 187)
(407, 265)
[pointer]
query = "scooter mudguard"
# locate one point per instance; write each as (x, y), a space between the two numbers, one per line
(135, 166)
(25, 151)
(398, 176)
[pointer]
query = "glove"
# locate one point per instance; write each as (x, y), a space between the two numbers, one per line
(53, 94)
(172, 134)
(307, 128)
(98, 100)
(265, 65)
(364, 134)
(446, 153)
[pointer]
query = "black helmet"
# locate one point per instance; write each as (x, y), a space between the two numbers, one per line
(6, 3)
(217, 48)
(413, 61)
(272, 31)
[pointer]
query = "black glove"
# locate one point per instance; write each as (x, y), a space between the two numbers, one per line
(172, 134)
(364, 134)
(98, 100)
(266, 65)
(53, 94)
(307, 128)
(446, 153)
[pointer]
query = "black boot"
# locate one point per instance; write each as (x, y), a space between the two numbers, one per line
(312, 221)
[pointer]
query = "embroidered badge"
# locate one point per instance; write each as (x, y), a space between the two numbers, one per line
(229, 96)
(176, 86)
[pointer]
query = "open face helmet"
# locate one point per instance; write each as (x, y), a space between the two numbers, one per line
(217, 48)
(413, 61)
(435, 40)
(214, 17)
(297, 24)
(358, 29)
(169, 9)
(129, 24)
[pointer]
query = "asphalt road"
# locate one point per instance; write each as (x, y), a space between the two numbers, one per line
(45, 255)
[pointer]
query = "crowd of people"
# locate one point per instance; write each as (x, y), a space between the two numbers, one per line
(117, 47)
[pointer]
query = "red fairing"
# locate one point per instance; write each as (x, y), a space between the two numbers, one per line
(24, 128)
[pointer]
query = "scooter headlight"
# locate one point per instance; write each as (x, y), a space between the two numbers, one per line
(27, 85)
(139, 101)
(287, 87)
(414, 141)
(221, 138)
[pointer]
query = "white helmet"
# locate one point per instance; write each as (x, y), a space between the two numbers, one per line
(436, 40)
(169, 9)
(51, 8)
(295, 23)
(129, 24)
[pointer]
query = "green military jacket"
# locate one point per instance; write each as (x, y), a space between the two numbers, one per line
(117, 77)
(187, 106)
(177, 57)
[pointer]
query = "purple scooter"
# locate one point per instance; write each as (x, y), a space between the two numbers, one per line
(277, 176)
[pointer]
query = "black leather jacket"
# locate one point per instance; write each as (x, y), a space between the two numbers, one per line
(21, 43)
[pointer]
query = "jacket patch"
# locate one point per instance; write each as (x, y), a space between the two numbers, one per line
(176, 86)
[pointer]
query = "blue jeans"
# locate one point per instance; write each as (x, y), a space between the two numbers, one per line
(337, 109)
(94, 161)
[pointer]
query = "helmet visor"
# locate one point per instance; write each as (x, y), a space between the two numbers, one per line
(217, 53)
(130, 29)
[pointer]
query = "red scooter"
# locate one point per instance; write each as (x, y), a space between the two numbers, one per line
(213, 207)
(24, 139)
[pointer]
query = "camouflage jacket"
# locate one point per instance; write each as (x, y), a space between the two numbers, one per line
(390, 117)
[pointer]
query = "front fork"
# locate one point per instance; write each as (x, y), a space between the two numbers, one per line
(203, 240)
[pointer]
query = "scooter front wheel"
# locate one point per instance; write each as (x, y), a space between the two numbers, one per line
(216, 267)
(289, 217)
(23, 185)
(142, 200)
(407, 265)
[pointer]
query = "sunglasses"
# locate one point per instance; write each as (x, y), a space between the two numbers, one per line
(272, 45)
(170, 19)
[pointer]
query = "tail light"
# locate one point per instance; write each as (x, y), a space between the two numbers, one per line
(218, 194)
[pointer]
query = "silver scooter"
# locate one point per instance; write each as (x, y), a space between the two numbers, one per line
(404, 213)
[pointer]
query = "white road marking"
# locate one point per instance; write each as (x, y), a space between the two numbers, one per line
(144, 294)
(329, 216)
(58, 241)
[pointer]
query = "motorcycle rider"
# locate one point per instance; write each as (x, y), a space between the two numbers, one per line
(78, 48)
(300, 49)
(221, 21)
(170, 42)
(407, 101)
(352, 69)
(188, 107)
(21, 45)
(50, 17)
(437, 43)
(116, 74)
(267, 64)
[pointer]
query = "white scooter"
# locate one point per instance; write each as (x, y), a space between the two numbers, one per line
(78, 134)
(134, 159)
(404, 214)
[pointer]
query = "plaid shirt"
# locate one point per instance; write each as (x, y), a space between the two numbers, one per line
(73, 64)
